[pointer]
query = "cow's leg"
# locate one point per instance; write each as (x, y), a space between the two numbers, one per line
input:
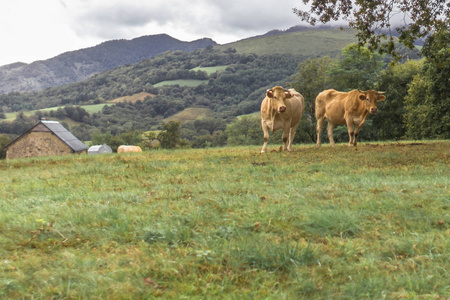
(356, 135)
(357, 130)
(351, 133)
(330, 132)
(285, 138)
(292, 132)
(265, 129)
(319, 127)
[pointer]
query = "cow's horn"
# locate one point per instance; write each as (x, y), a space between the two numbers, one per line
(381, 93)
(361, 91)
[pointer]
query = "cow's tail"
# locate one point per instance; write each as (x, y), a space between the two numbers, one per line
(319, 106)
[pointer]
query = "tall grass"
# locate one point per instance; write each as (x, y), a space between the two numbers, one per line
(366, 222)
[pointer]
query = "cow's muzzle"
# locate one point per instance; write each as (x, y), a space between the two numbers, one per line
(373, 110)
(282, 109)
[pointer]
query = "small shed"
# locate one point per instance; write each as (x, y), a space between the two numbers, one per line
(99, 149)
(44, 139)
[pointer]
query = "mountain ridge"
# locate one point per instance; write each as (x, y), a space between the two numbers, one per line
(78, 65)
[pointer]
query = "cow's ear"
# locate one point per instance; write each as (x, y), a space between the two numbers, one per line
(269, 93)
(362, 97)
(381, 98)
(288, 94)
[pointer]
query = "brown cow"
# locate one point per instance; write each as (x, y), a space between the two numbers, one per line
(340, 108)
(125, 148)
(281, 109)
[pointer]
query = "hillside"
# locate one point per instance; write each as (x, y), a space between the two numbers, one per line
(200, 65)
(78, 65)
(311, 43)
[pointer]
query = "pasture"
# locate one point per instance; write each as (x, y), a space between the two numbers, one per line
(133, 98)
(328, 223)
(308, 43)
(94, 108)
(189, 114)
(210, 70)
(181, 82)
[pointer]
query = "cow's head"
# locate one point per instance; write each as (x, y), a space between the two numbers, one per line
(278, 95)
(371, 97)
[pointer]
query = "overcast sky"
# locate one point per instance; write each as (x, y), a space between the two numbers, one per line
(33, 30)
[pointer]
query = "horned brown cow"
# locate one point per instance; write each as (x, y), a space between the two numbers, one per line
(281, 109)
(125, 148)
(345, 108)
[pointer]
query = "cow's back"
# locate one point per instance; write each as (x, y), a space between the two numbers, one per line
(328, 101)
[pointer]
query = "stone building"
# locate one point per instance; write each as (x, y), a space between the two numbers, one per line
(45, 139)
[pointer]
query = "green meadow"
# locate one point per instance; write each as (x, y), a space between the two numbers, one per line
(94, 108)
(370, 222)
(307, 43)
(210, 70)
(181, 82)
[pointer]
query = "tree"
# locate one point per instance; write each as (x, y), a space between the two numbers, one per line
(82, 131)
(310, 80)
(428, 101)
(357, 69)
(395, 81)
(245, 130)
(4, 140)
(98, 138)
(169, 137)
(131, 137)
(373, 19)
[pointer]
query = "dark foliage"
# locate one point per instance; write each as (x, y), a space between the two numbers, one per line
(169, 137)
(374, 20)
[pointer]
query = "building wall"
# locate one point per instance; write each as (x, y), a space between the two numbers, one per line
(37, 144)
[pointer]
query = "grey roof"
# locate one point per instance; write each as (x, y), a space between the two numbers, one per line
(99, 149)
(65, 135)
(94, 148)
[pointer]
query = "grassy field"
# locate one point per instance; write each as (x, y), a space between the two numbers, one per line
(181, 82)
(95, 108)
(210, 70)
(133, 98)
(308, 43)
(189, 114)
(332, 223)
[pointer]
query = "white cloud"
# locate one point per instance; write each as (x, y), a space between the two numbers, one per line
(31, 30)
(219, 20)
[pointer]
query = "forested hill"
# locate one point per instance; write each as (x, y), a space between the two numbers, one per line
(256, 60)
(78, 65)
